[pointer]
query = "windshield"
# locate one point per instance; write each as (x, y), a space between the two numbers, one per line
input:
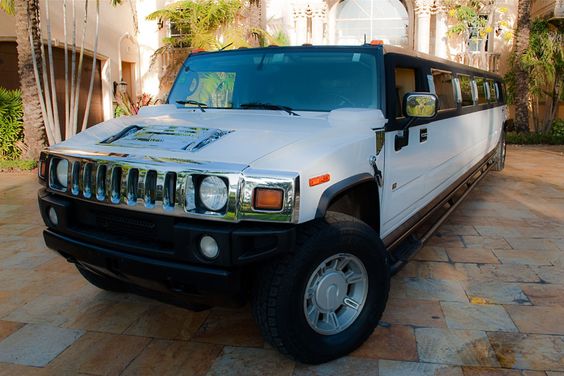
(298, 80)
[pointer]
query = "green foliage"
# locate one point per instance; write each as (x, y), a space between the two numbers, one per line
(8, 6)
(18, 165)
(558, 128)
(534, 138)
(11, 124)
(197, 21)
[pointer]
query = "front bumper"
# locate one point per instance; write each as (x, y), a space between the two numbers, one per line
(160, 255)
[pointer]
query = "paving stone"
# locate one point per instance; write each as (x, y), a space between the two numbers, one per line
(540, 320)
(499, 272)
(544, 294)
(99, 354)
(249, 362)
(532, 244)
(453, 229)
(394, 342)
(346, 366)
(230, 327)
(477, 317)
(395, 368)
(428, 253)
(472, 255)
(494, 292)
(473, 371)
(36, 345)
(161, 358)
(550, 273)
(430, 289)
(456, 347)
(431, 269)
(497, 231)
(526, 257)
(108, 316)
(168, 322)
(528, 351)
(485, 242)
(445, 241)
(8, 327)
(414, 312)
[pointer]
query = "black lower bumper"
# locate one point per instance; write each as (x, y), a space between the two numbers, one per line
(165, 264)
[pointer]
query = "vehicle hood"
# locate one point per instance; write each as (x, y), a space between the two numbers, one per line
(229, 136)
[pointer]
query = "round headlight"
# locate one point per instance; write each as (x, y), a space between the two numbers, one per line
(62, 172)
(213, 193)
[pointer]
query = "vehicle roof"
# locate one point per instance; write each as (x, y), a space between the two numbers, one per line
(387, 49)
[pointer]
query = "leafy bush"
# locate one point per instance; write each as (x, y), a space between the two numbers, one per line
(558, 128)
(18, 165)
(11, 124)
(534, 138)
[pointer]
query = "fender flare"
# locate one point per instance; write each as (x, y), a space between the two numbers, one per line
(336, 189)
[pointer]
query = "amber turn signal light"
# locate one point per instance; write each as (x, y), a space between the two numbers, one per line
(268, 199)
(319, 180)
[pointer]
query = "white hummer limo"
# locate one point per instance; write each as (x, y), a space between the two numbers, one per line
(298, 178)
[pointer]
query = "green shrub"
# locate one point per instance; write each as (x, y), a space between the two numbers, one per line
(558, 128)
(18, 165)
(11, 123)
(534, 138)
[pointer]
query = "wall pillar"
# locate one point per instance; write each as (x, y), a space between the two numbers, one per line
(318, 22)
(423, 19)
(441, 29)
(300, 20)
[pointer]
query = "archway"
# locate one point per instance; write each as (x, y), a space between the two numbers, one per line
(386, 20)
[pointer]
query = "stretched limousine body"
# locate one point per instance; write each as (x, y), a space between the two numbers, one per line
(298, 177)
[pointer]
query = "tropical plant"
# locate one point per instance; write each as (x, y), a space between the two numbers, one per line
(37, 75)
(28, 33)
(11, 124)
(125, 106)
(521, 74)
(558, 128)
(544, 62)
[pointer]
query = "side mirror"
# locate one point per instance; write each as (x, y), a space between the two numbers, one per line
(420, 105)
(416, 106)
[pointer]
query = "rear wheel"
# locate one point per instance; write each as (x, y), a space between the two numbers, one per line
(324, 300)
(499, 163)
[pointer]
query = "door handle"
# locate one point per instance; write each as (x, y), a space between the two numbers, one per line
(423, 135)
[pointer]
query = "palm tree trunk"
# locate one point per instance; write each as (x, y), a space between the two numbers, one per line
(522, 33)
(27, 12)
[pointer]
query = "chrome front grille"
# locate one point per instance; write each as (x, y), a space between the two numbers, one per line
(169, 186)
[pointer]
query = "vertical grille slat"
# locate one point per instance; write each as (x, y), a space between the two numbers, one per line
(101, 182)
(169, 190)
(87, 180)
(75, 178)
(150, 188)
(115, 185)
(132, 186)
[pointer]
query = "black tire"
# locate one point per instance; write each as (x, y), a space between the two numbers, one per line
(278, 298)
(102, 282)
(500, 153)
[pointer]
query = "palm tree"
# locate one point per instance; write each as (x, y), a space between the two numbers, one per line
(27, 19)
(522, 33)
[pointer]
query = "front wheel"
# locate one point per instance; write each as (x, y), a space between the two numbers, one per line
(325, 299)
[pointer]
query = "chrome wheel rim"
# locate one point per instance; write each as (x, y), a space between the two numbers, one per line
(335, 294)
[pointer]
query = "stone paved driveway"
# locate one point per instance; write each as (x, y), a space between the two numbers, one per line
(484, 297)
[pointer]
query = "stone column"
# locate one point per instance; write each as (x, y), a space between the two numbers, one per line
(441, 29)
(300, 19)
(423, 31)
(318, 22)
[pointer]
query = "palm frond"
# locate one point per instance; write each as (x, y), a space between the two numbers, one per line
(8, 7)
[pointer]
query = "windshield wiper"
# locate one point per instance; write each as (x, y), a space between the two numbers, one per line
(195, 103)
(268, 106)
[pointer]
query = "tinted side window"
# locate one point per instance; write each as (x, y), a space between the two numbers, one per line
(481, 85)
(492, 92)
(466, 90)
(444, 89)
(499, 92)
(405, 83)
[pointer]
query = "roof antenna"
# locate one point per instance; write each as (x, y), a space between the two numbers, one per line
(364, 38)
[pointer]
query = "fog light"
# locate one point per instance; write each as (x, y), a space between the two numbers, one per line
(209, 247)
(52, 213)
